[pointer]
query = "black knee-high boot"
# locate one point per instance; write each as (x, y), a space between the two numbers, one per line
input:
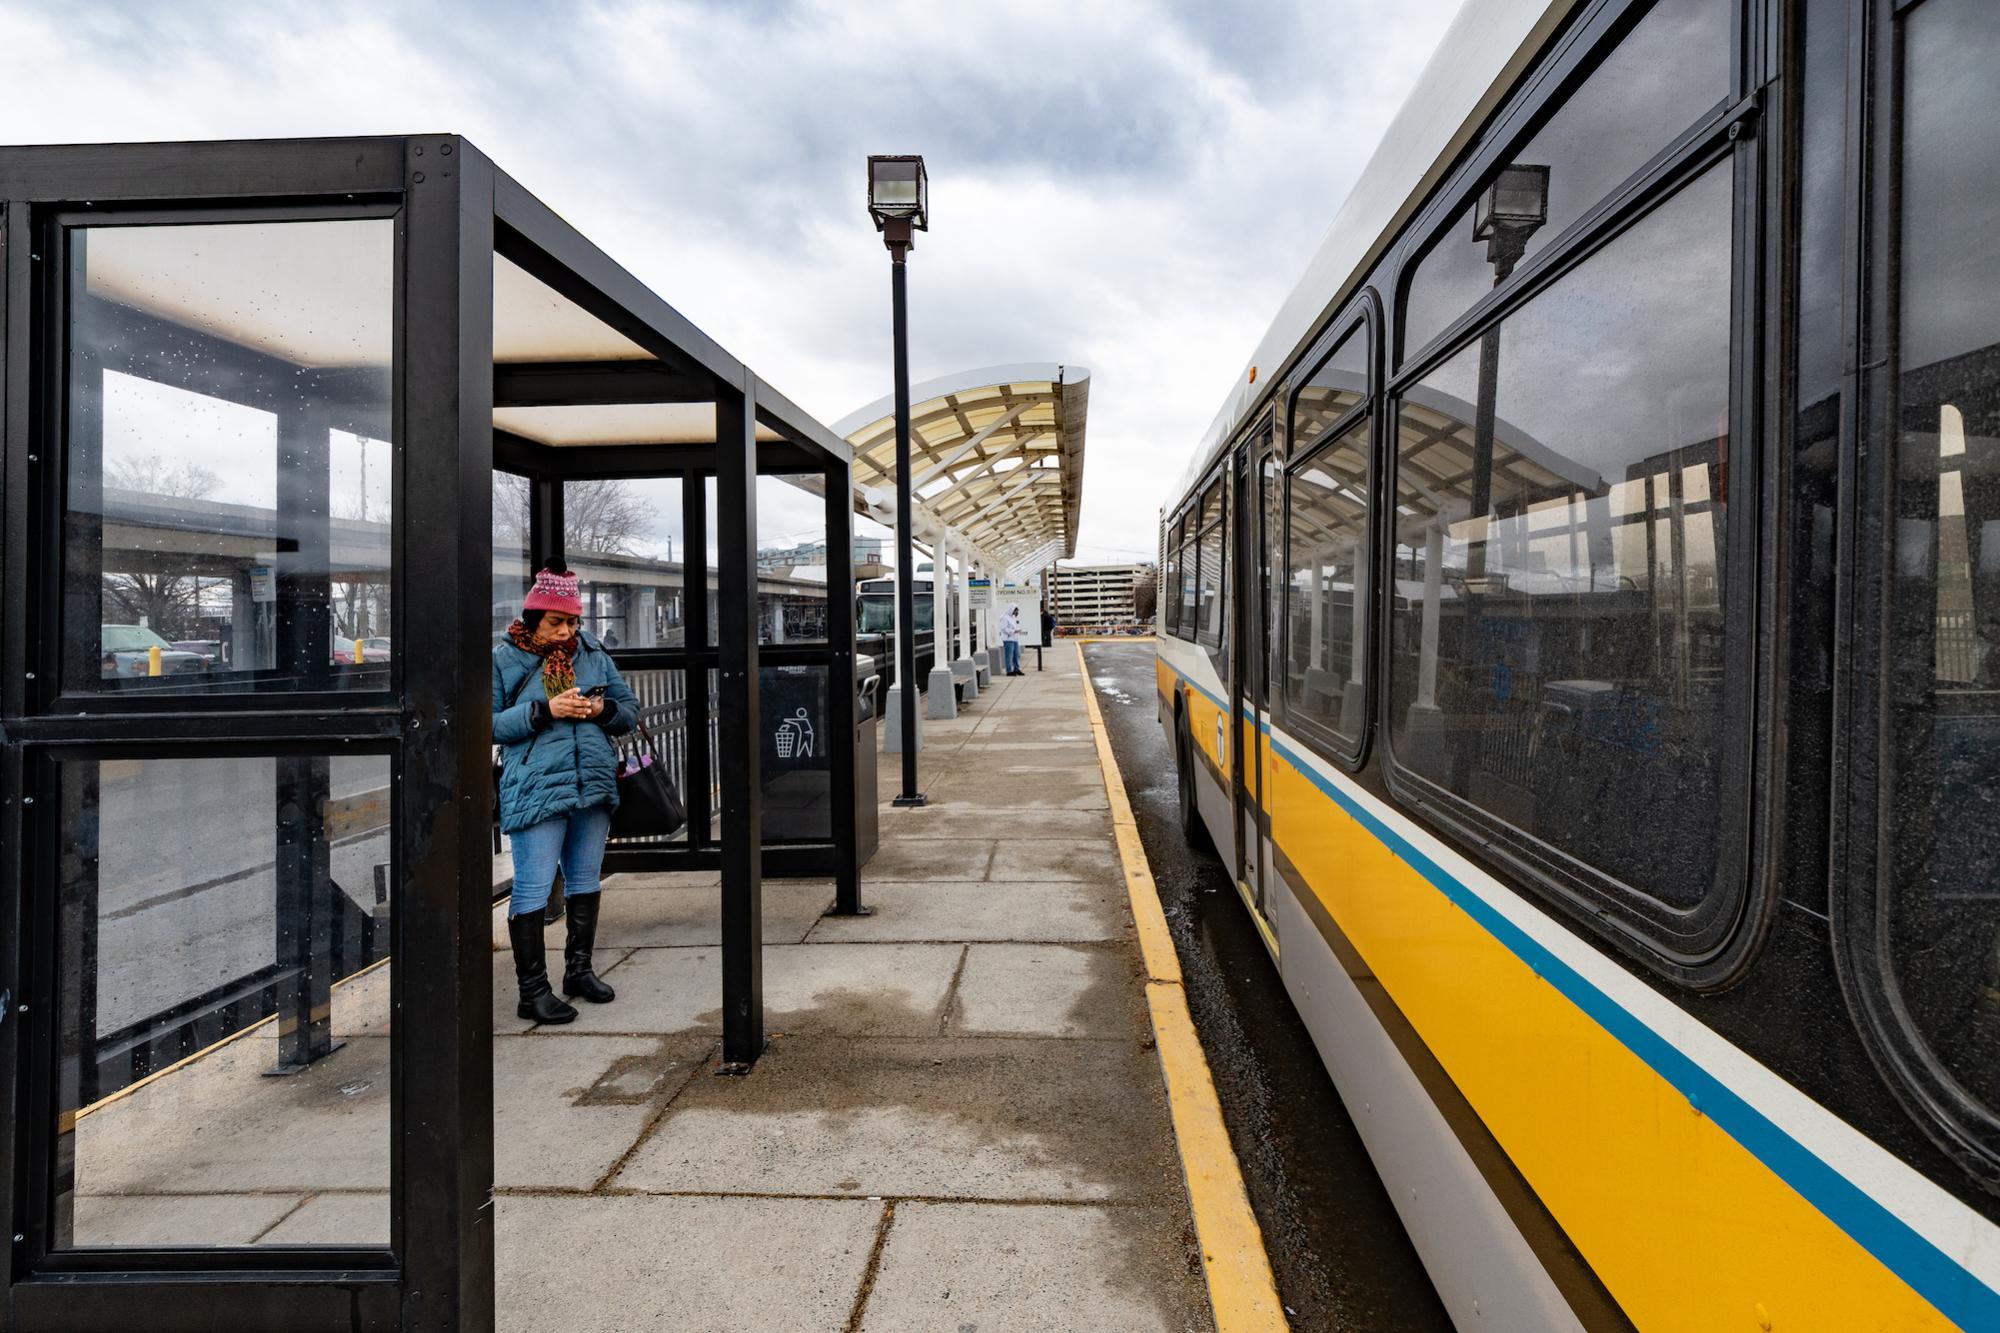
(531, 970)
(578, 979)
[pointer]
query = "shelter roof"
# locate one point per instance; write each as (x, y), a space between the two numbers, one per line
(997, 453)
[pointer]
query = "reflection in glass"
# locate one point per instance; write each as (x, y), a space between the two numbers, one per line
(1667, 72)
(1336, 388)
(625, 539)
(791, 561)
(1327, 587)
(1209, 628)
(1558, 650)
(1190, 594)
(199, 897)
(512, 549)
(230, 476)
(1942, 890)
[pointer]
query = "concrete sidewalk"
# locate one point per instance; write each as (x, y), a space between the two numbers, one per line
(959, 1123)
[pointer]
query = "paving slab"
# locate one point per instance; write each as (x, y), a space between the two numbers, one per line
(1032, 1269)
(178, 1219)
(1020, 791)
(1087, 860)
(218, 1126)
(335, 1219)
(988, 910)
(928, 859)
(550, 1131)
(948, 1118)
(966, 819)
(891, 989)
(680, 1265)
(693, 915)
(361, 1004)
(1047, 990)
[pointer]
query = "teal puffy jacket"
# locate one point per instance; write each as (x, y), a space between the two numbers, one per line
(566, 765)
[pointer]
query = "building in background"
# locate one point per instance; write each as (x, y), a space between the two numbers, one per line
(779, 559)
(1098, 595)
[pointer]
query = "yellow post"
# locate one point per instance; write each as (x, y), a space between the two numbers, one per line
(153, 660)
(360, 651)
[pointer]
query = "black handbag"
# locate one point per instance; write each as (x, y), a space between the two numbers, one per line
(648, 805)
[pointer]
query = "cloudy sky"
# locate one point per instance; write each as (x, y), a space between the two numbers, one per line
(1126, 185)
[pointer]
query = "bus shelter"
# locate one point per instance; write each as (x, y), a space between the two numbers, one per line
(287, 427)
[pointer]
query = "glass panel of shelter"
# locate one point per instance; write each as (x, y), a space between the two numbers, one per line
(221, 908)
(229, 501)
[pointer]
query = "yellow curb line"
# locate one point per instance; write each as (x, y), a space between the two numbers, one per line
(1241, 1289)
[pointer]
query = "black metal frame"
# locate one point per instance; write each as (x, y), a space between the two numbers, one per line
(1361, 315)
(1249, 812)
(1866, 652)
(454, 210)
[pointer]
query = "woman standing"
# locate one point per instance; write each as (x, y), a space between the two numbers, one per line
(557, 701)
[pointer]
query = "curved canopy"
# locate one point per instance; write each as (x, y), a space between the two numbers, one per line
(997, 455)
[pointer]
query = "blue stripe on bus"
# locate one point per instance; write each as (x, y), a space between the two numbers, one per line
(1929, 1271)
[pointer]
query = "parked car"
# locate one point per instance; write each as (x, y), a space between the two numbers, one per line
(209, 650)
(128, 652)
(373, 650)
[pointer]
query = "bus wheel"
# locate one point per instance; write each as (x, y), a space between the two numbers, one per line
(1193, 831)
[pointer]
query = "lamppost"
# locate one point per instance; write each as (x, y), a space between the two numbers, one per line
(899, 201)
(1511, 210)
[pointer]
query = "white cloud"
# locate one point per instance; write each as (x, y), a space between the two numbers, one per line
(1128, 186)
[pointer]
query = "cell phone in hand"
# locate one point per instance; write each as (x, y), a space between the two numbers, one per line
(595, 691)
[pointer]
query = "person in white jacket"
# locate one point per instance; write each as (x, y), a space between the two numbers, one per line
(1010, 639)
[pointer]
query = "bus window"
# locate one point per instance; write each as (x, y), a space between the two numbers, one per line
(1559, 588)
(1190, 594)
(1938, 876)
(1326, 590)
(1669, 70)
(1211, 626)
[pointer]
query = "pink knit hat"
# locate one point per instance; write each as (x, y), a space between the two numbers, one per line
(555, 590)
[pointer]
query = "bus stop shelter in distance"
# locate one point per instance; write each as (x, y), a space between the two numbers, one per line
(259, 402)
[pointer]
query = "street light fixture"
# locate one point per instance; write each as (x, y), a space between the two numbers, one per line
(899, 201)
(898, 193)
(1509, 211)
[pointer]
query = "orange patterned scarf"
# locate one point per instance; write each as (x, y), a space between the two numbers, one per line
(558, 659)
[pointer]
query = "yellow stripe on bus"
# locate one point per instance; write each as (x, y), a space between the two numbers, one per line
(1686, 1228)
(1683, 1225)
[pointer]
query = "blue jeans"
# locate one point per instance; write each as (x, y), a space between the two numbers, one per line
(575, 840)
(1011, 650)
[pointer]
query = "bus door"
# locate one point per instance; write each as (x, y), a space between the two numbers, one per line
(1249, 678)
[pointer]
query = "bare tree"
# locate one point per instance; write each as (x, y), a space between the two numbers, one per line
(599, 517)
(167, 600)
(1145, 592)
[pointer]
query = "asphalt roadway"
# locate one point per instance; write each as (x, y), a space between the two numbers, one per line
(1339, 1251)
